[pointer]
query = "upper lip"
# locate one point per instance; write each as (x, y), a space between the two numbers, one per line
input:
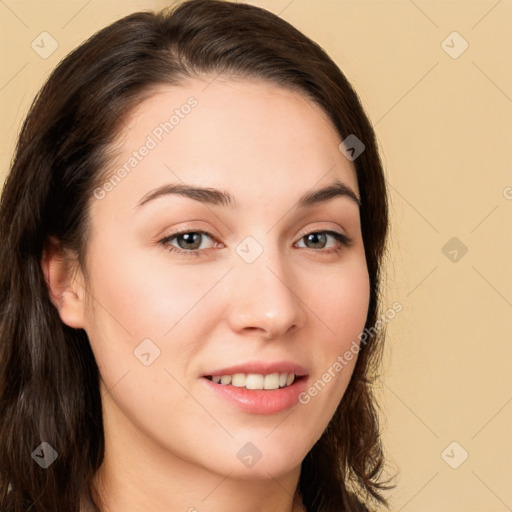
(261, 367)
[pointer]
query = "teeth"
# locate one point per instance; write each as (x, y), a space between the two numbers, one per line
(256, 380)
(225, 379)
(238, 380)
(271, 381)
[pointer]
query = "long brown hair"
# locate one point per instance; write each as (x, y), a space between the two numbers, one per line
(49, 380)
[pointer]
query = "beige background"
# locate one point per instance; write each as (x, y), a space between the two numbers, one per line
(445, 128)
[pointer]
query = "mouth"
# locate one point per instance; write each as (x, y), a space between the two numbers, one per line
(258, 387)
(256, 381)
(257, 393)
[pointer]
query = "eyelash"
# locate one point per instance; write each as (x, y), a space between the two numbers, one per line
(343, 241)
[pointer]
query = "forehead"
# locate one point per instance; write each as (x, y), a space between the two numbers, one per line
(251, 137)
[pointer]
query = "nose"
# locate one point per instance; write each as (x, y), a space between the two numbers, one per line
(265, 299)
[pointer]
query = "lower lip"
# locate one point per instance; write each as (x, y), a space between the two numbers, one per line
(260, 401)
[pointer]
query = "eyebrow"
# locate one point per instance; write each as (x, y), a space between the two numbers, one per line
(216, 197)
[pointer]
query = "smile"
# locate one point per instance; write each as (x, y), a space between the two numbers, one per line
(255, 380)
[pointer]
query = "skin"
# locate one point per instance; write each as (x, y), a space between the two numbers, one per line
(171, 445)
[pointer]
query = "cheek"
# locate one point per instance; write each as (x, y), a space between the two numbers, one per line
(341, 303)
(138, 298)
(141, 292)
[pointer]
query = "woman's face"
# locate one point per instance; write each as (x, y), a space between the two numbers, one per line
(243, 289)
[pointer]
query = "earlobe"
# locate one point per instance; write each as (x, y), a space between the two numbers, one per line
(64, 283)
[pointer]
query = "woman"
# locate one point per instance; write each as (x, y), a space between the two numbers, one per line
(192, 236)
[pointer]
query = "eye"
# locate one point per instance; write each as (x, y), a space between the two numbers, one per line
(319, 240)
(189, 243)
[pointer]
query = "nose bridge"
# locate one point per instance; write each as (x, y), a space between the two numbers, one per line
(265, 298)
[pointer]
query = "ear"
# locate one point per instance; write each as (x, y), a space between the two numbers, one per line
(65, 283)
